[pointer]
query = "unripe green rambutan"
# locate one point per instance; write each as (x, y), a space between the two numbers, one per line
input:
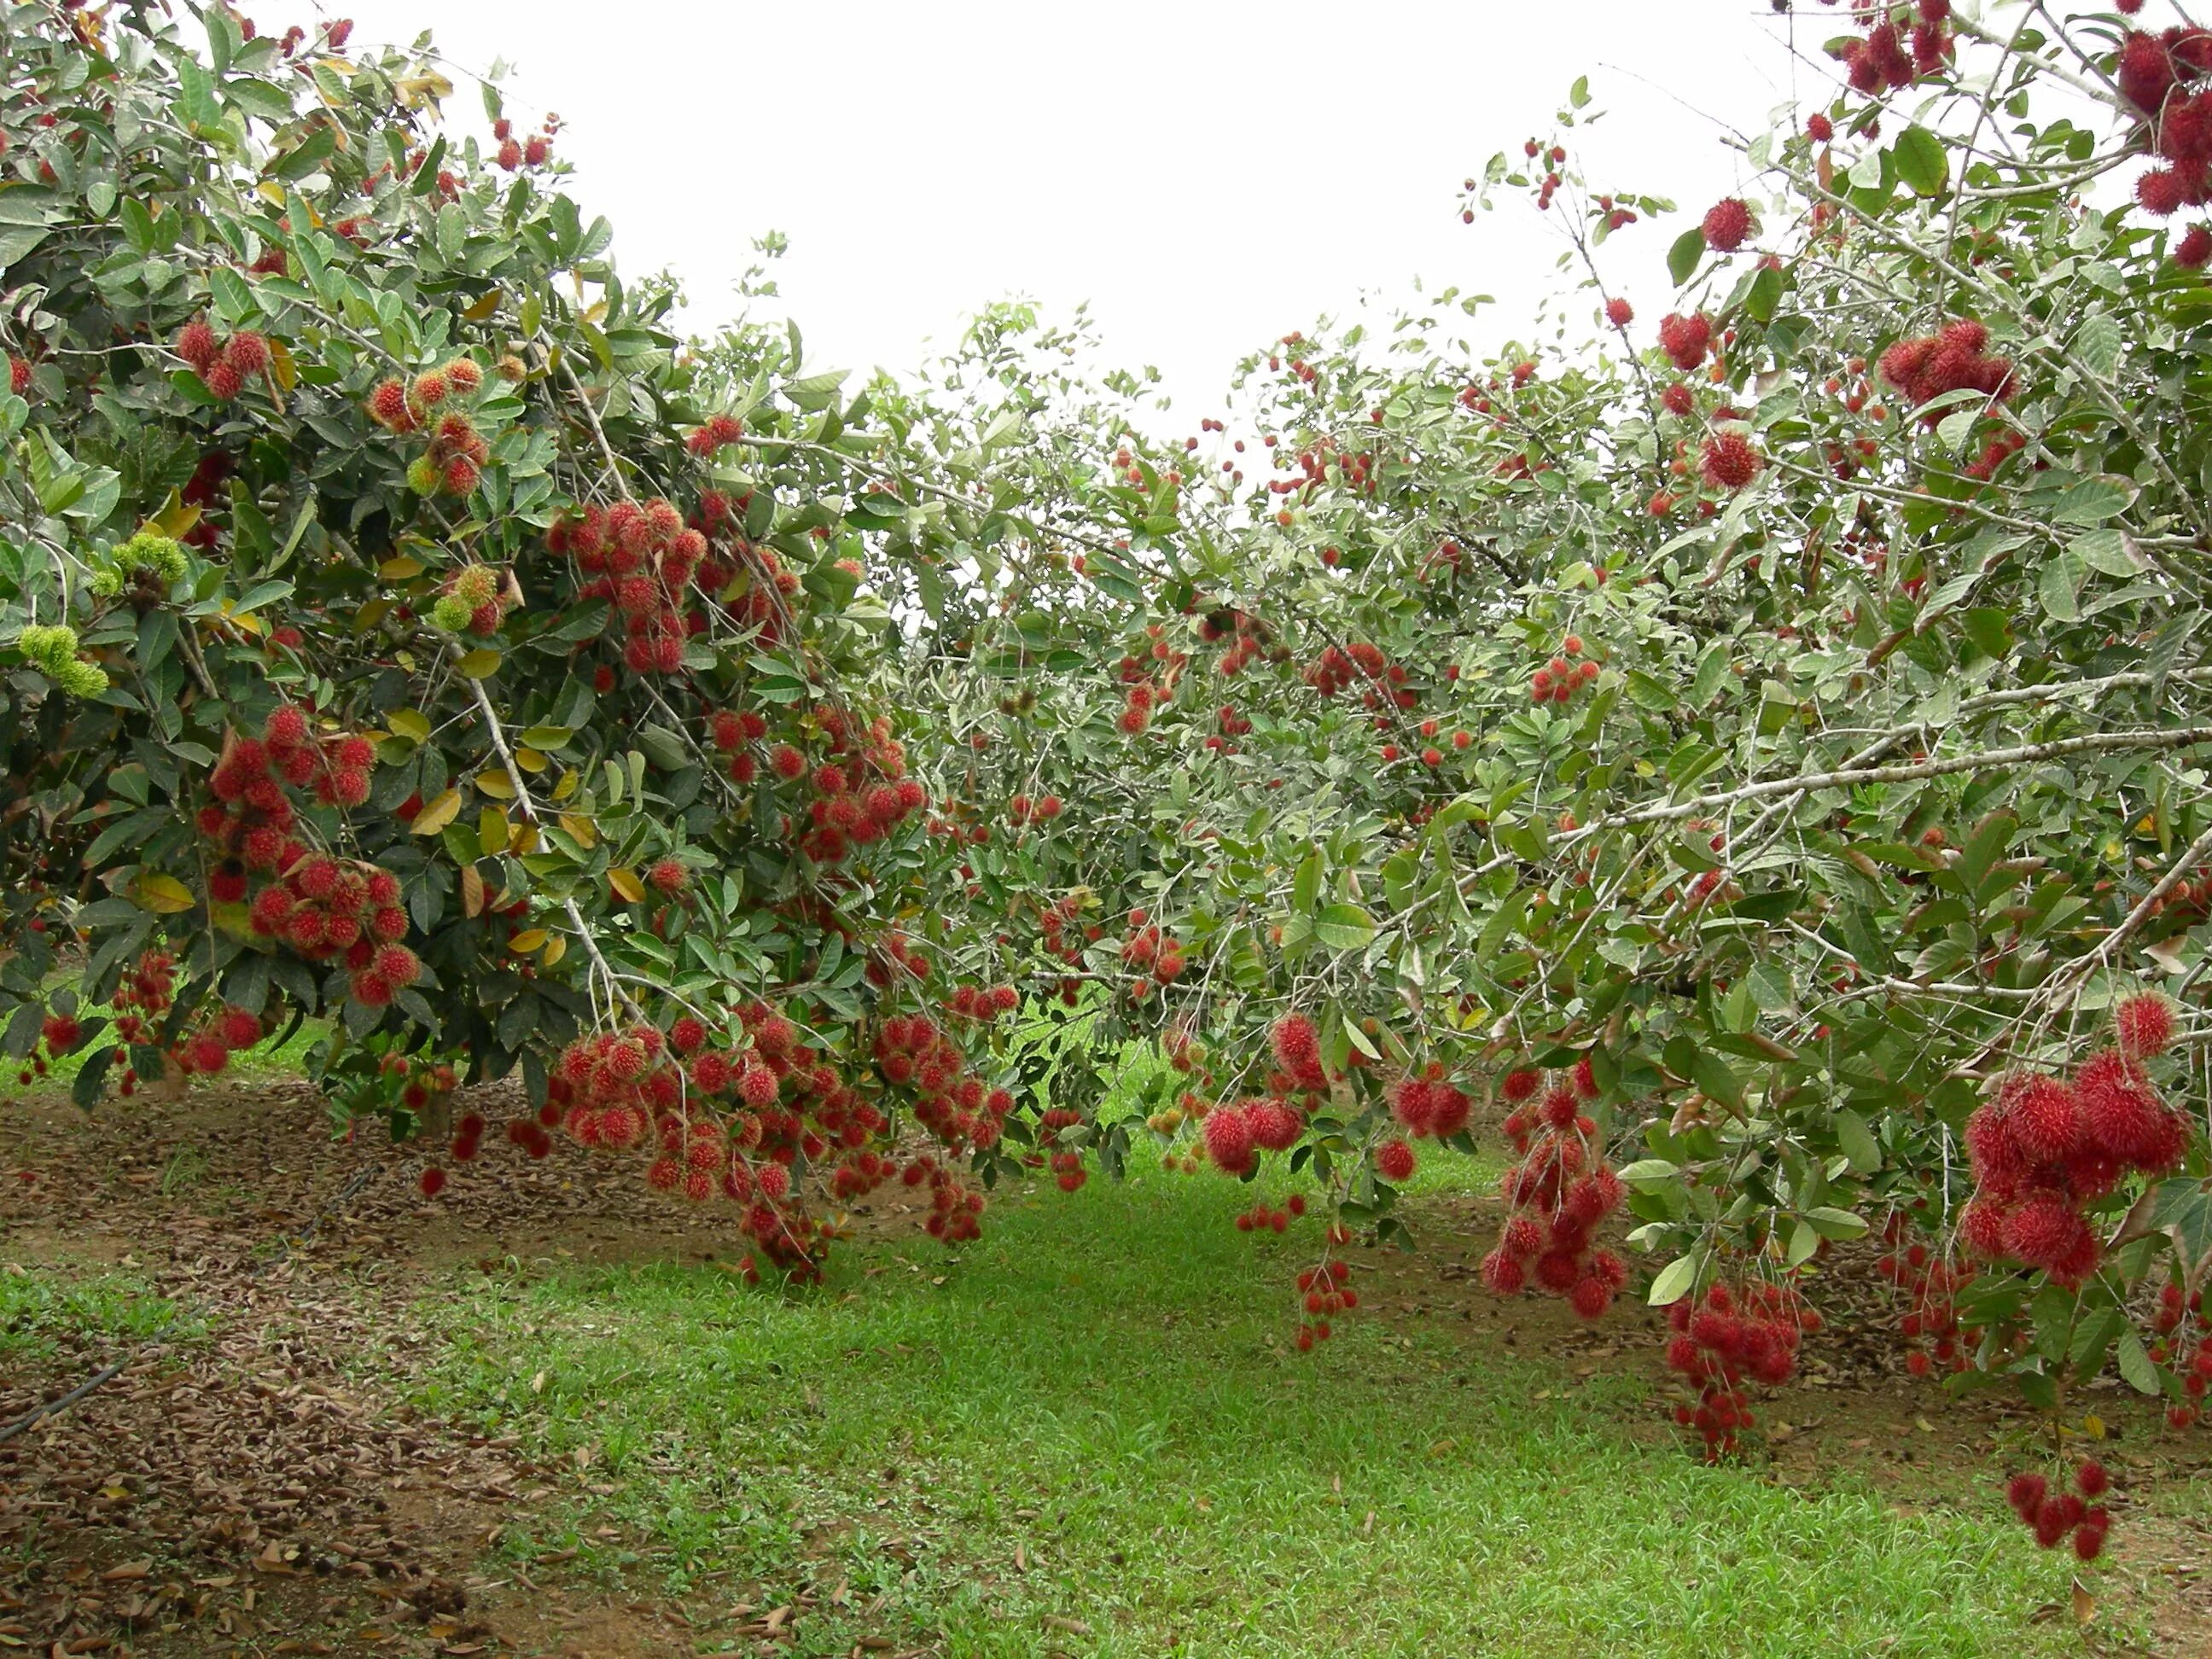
(81, 679)
(151, 551)
(452, 613)
(477, 584)
(424, 476)
(106, 582)
(47, 647)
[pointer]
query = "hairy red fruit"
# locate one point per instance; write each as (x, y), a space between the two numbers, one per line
(1728, 462)
(2144, 1024)
(1393, 1160)
(1727, 223)
(433, 1183)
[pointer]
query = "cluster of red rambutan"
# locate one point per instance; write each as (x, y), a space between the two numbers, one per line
(951, 1103)
(1903, 43)
(1686, 340)
(1136, 715)
(955, 1208)
(1022, 810)
(1428, 1105)
(1264, 1218)
(1995, 453)
(1156, 955)
(2045, 1149)
(60, 1033)
(2181, 1326)
(1235, 1134)
(252, 816)
(326, 909)
(1558, 1194)
(1326, 1292)
(1931, 1286)
(720, 431)
(533, 151)
(1059, 939)
(224, 367)
(208, 1049)
(1567, 672)
(732, 731)
(1382, 681)
(1066, 1163)
(2052, 1515)
(19, 374)
(982, 1003)
(2160, 76)
(642, 559)
(1247, 635)
(861, 791)
(1952, 359)
(860, 1174)
(1726, 1337)
(895, 959)
(144, 996)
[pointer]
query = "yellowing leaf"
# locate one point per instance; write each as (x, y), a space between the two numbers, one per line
(492, 833)
(399, 568)
(556, 948)
(472, 891)
(409, 723)
(567, 787)
(480, 662)
(625, 882)
(526, 840)
(270, 191)
(530, 760)
(528, 940)
(437, 814)
(495, 783)
(280, 361)
(175, 519)
(165, 895)
(484, 308)
(248, 622)
(546, 736)
(581, 830)
(371, 613)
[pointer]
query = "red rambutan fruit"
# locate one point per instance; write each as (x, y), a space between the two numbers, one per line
(1727, 223)
(2144, 1024)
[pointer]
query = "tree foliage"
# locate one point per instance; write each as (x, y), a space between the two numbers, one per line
(1728, 756)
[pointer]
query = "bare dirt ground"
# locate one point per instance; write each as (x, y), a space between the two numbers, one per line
(235, 1489)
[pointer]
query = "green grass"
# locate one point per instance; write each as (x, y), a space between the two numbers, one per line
(1100, 1384)
(38, 1308)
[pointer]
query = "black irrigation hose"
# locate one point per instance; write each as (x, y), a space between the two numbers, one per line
(52, 1408)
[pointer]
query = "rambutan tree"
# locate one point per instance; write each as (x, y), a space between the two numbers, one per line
(1747, 764)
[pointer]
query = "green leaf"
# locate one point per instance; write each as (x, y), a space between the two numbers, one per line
(1682, 257)
(2058, 587)
(2136, 1367)
(1857, 1139)
(1921, 161)
(1674, 1282)
(307, 157)
(2098, 343)
(1344, 927)
(1305, 890)
(1712, 674)
(1833, 1223)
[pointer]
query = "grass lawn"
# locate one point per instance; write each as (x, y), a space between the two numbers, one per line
(1085, 1436)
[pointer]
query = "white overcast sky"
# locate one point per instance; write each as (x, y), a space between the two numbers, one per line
(1208, 175)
